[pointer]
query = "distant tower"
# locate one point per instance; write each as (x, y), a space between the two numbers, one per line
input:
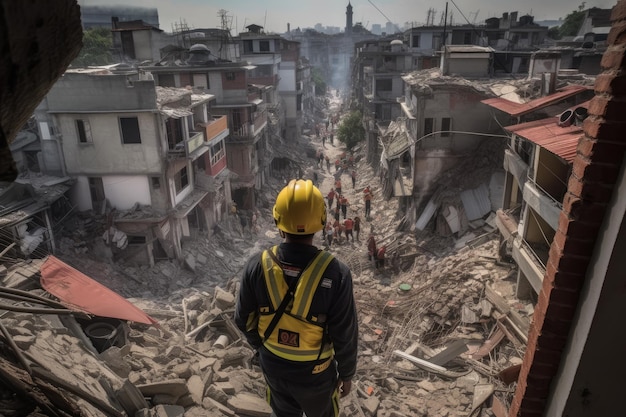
(349, 18)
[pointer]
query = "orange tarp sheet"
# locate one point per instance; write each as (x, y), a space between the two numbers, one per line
(76, 289)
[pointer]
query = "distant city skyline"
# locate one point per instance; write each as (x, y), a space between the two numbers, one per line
(276, 15)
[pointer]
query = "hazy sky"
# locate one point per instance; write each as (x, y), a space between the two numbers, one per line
(274, 15)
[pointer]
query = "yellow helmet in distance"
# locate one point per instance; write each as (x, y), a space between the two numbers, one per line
(300, 208)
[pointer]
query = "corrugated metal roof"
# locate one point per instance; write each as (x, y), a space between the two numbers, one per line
(476, 202)
(520, 109)
(561, 141)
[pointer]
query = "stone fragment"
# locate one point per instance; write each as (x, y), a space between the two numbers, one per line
(196, 388)
(249, 405)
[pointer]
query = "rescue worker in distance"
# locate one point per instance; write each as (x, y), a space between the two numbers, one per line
(296, 307)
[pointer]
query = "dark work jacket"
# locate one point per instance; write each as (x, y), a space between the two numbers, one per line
(337, 302)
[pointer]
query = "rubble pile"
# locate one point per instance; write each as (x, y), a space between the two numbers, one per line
(437, 334)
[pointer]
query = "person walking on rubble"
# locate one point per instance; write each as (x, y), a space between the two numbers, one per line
(348, 225)
(344, 205)
(296, 308)
(371, 247)
(331, 197)
(367, 196)
(357, 227)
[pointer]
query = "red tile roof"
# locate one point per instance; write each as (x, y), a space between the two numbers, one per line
(519, 109)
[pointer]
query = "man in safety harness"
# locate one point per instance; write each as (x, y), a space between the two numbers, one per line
(296, 308)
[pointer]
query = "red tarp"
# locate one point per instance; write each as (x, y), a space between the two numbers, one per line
(76, 289)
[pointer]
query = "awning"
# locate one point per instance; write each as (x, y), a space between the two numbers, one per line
(520, 109)
(561, 141)
(77, 290)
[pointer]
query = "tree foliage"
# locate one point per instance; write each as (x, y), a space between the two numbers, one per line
(572, 22)
(318, 79)
(351, 131)
(97, 43)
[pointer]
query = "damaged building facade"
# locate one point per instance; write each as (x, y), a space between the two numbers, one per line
(442, 125)
(150, 158)
(538, 162)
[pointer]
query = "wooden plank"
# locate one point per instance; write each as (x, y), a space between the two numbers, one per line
(489, 344)
(519, 332)
(507, 333)
(450, 352)
(497, 300)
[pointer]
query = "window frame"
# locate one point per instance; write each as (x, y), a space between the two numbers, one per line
(445, 131)
(126, 137)
(83, 131)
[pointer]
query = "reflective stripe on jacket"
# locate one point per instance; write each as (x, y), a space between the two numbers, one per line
(298, 335)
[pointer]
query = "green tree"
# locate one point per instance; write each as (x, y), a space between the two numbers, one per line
(318, 79)
(97, 43)
(351, 131)
(572, 22)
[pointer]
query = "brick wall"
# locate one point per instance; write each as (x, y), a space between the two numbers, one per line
(595, 169)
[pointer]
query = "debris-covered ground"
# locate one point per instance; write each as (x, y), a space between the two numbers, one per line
(440, 331)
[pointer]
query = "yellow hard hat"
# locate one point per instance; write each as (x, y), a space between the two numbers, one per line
(300, 208)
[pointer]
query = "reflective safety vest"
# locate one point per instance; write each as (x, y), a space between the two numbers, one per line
(298, 335)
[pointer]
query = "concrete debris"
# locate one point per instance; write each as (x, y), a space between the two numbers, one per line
(438, 320)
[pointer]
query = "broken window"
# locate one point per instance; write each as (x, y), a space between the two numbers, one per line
(174, 132)
(264, 46)
(166, 80)
(217, 152)
(130, 130)
(181, 180)
(446, 123)
(96, 188)
(84, 131)
(230, 76)
(384, 84)
(429, 122)
(156, 183)
(247, 46)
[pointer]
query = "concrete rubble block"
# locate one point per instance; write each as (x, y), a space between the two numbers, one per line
(142, 352)
(24, 341)
(19, 330)
(201, 259)
(186, 401)
(394, 413)
(221, 376)
(114, 358)
(163, 410)
(175, 387)
(391, 384)
(218, 395)
(370, 405)
(249, 405)
(173, 351)
(165, 399)
(205, 363)
(190, 262)
(226, 387)
(223, 299)
(194, 302)
(182, 370)
(426, 386)
(196, 388)
(210, 404)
